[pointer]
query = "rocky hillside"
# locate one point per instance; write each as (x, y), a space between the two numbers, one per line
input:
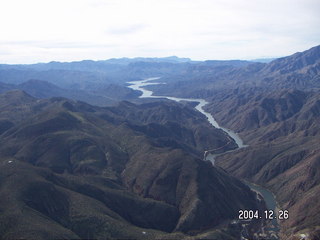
(72, 170)
(275, 107)
(283, 131)
(281, 123)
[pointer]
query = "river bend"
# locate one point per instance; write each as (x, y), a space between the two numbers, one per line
(267, 195)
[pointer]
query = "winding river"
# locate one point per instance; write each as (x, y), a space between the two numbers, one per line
(267, 195)
(139, 85)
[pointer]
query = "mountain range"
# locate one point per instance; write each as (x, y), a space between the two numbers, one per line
(73, 170)
(83, 157)
(275, 107)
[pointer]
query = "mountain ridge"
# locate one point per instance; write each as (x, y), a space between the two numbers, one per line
(275, 108)
(87, 154)
(83, 165)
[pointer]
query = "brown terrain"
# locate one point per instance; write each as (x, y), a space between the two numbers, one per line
(275, 107)
(72, 170)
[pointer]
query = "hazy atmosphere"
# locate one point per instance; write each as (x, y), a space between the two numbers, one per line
(67, 30)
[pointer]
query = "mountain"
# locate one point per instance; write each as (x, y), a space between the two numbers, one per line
(108, 94)
(4, 87)
(105, 79)
(83, 74)
(60, 77)
(275, 107)
(43, 89)
(126, 61)
(112, 64)
(73, 170)
(297, 62)
(139, 167)
(283, 131)
(299, 71)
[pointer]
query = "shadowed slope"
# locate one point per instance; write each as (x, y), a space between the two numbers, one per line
(89, 172)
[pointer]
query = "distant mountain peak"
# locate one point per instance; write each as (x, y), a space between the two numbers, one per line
(126, 61)
(37, 83)
(296, 61)
(16, 97)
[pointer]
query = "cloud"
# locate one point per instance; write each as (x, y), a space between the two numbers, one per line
(202, 29)
(53, 44)
(128, 29)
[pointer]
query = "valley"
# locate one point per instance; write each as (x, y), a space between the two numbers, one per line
(84, 155)
(59, 154)
(267, 230)
(274, 107)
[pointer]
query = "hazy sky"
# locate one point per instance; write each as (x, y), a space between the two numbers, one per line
(67, 30)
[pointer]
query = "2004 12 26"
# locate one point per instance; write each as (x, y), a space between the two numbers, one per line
(267, 214)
